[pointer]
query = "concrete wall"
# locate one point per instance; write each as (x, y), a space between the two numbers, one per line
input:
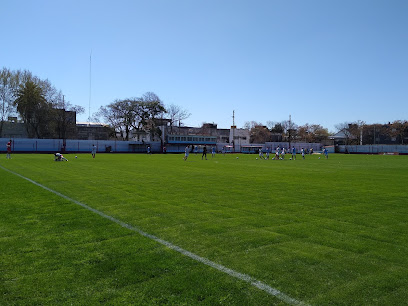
(373, 149)
(30, 145)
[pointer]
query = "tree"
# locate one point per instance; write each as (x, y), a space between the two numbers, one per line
(289, 130)
(318, 133)
(352, 131)
(53, 121)
(176, 114)
(7, 87)
(134, 114)
(303, 132)
(344, 127)
(120, 115)
(398, 130)
(33, 108)
(153, 111)
(312, 133)
(258, 133)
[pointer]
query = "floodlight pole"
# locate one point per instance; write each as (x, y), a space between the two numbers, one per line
(90, 88)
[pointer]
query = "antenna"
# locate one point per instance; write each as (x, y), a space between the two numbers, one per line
(90, 87)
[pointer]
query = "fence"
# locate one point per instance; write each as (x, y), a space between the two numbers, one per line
(80, 146)
(373, 149)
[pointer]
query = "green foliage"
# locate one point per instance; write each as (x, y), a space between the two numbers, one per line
(33, 109)
(40, 105)
(322, 231)
(135, 114)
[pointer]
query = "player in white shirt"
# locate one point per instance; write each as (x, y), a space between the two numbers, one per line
(186, 152)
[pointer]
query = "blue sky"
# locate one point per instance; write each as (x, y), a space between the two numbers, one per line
(322, 62)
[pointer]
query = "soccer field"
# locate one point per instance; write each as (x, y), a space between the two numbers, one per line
(316, 231)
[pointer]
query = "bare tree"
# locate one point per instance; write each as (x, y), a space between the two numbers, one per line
(176, 115)
(312, 133)
(289, 130)
(398, 130)
(258, 132)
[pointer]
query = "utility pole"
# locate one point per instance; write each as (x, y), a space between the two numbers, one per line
(289, 129)
(90, 87)
(233, 131)
(63, 127)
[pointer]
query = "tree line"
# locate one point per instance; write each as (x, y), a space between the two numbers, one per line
(286, 131)
(44, 109)
(45, 112)
(359, 132)
(38, 103)
(354, 133)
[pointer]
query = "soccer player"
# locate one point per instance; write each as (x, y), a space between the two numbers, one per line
(8, 156)
(326, 153)
(303, 153)
(267, 152)
(93, 151)
(59, 157)
(283, 153)
(294, 153)
(277, 153)
(204, 153)
(261, 154)
(186, 152)
(212, 152)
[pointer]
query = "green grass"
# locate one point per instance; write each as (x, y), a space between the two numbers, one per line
(322, 231)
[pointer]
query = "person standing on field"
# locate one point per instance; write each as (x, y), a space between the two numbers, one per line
(93, 151)
(186, 152)
(8, 156)
(204, 153)
(293, 153)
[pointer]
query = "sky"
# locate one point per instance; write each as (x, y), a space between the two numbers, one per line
(318, 61)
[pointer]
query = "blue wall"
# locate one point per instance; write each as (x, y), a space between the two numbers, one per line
(82, 146)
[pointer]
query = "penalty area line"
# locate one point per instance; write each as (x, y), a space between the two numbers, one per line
(241, 276)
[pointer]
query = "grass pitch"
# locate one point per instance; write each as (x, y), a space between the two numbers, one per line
(321, 231)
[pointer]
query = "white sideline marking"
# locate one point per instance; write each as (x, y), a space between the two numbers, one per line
(244, 277)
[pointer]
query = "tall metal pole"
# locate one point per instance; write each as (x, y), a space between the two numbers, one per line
(290, 127)
(90, 87)
(233, 131)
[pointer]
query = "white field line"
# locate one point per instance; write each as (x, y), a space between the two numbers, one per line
(244, 277)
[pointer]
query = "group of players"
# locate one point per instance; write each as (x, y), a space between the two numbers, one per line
(281, 152)
(187, 151)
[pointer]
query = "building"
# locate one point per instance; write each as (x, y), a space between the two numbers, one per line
(93, 131)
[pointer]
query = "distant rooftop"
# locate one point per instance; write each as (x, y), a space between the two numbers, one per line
(91, 124)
